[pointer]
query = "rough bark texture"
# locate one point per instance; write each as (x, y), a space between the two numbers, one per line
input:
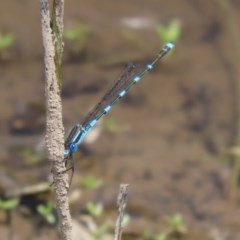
(122, 203)
(54, 129)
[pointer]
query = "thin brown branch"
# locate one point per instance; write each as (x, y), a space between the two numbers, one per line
(54, 128)
(121, 203)
(57, 27)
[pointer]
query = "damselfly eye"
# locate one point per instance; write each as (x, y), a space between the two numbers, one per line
(73, 147)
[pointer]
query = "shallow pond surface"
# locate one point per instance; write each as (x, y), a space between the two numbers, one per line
(169, 134)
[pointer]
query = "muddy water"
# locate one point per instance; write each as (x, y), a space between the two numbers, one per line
(172, 128)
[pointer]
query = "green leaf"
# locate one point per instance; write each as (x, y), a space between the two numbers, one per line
(90, 182)
(78, 37)
(96, 210)
(177, 219)
(176, 224)
(51, 219)
(76, 33)
(6, 41)
(101, 231)
(170, 33)
(161, 236)
(110, 124)
(8, 204)
(146, 234)
(46, 211)
(126, 220)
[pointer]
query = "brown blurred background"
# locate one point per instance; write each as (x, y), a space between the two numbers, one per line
(171, 138)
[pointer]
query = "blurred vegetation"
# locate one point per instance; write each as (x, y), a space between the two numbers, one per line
(233, 156)
(47, 212)
(171, 32)
(91, 182)
(78, 38)
(8, 204)
(6, 42)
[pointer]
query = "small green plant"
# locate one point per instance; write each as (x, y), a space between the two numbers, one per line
(47, 212)
(146, 235)
(170, 33)
(126, 220)
(6, 41)
(176, 225)
(90, 182)
(101, 231)
(110, 124)
(8, 204)
(30, 156)
(95, 209)
(78, 36)
(161, 236)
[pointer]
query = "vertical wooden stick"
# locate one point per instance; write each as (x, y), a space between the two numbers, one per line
(121, 203)
(52, 41)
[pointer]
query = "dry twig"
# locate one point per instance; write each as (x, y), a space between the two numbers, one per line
(121, 202)
(52, 41)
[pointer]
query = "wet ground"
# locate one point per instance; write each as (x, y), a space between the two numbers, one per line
(170, 134)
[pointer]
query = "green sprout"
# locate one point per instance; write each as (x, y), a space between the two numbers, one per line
(96, 210)
(6, 41)
(78, 37)
(8, 204)
(170, 33)
(161, 236)
(101, 231)
(177, 225)
(110, 124)
(46, 211)
(126, 220)
(30, 156)
(146, 235)
(90, 182)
